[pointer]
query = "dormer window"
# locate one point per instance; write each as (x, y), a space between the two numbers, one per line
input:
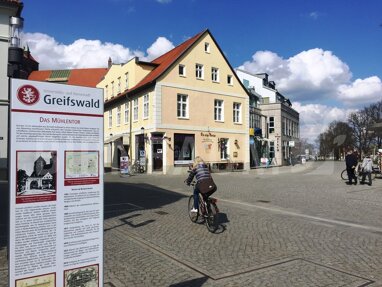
(206, 47)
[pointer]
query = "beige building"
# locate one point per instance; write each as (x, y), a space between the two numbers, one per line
(185, 103)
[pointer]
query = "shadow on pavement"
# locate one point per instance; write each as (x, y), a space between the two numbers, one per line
(191, 283)
(123, 198)
(4, 214)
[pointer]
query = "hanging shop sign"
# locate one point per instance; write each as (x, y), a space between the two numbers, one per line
(56, 185)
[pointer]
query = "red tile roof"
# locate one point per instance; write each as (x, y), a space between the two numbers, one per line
(163, 63)
(77, 77)
(39, 76)
(87, 77)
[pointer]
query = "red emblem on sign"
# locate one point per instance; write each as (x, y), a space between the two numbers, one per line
(28, 95)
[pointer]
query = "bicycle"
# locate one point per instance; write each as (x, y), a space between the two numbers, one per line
(208, 210)
(136, 168)
(344, 174)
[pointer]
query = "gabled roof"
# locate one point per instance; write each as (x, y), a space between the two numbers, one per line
(77, 77)
(166, 61)
(162, 63)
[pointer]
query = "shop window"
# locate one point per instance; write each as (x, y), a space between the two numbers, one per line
(184, 148)
(223, 145)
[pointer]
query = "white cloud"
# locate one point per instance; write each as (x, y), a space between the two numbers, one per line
(366, 90)
(315, 75)
(158, 48)
(84, 53)
(314, 80)
(315, 118)
(314, 15)
(164, 1)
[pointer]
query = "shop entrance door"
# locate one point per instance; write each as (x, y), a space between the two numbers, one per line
(157, 144)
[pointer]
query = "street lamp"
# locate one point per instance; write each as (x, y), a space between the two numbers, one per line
(15, 52)
(15, 60)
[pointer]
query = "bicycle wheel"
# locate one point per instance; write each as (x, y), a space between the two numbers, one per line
(344, 174)
(193, 216)
(212, 217)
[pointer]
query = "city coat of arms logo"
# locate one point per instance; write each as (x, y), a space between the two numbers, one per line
(28, 95)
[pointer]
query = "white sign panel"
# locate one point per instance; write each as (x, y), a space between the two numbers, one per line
(56, 185)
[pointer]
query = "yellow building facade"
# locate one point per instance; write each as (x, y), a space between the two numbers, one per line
(186, 103)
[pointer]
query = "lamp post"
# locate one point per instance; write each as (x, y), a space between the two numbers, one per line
(15, 60)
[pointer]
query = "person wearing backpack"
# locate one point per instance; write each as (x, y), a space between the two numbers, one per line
(366, 168)
(204, 182)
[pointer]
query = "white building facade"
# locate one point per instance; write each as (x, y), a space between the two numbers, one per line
(280, 131)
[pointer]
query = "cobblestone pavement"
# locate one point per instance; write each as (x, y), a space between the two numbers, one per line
(288, 226)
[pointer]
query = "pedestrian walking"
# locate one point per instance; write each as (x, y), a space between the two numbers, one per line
(351, 163)
(366, 169)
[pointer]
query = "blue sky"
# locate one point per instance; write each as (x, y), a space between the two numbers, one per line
(326, 55)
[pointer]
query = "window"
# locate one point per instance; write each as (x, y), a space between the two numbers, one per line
(285, 150)
(182, 70)
(199, 71)
(271, 149)
(126, 81)
(218, 111)
(182, 109)
(215, 74)
(112, 89)
(145, 106)
(283, 126)
(135, 109)
(127, 113)
(237, 113)
(110, 118)
(229, 80)
(118, 115)
(223, 146)
(107, 91)
(271, 125)
(184, 148)
(119, 86)
(206, 47)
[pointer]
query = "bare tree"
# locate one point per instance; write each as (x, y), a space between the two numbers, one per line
(336, 139)
(360, 123)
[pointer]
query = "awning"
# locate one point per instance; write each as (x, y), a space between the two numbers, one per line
(112, 138)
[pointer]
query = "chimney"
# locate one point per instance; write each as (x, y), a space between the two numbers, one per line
(109, 63)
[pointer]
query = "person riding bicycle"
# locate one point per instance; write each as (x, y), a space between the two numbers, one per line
(201, 172)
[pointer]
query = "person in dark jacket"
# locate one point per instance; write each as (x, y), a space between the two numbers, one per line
(351, 163)
(200, 171)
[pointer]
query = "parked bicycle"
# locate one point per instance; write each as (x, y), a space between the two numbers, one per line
(358, 174)
(136, 167)
(208, 211)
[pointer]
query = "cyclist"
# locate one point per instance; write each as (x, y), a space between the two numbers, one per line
(200, 171)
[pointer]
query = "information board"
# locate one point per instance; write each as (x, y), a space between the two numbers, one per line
(56, 185)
